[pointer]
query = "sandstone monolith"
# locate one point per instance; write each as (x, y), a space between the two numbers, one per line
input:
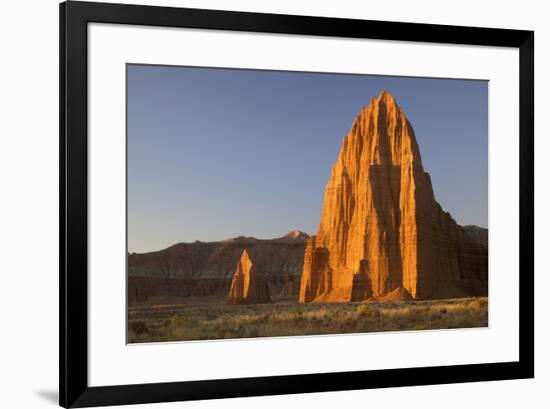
(381, 227)
(247, 285)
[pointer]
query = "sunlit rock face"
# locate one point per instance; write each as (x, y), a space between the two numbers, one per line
(247, 285)
(381, 227)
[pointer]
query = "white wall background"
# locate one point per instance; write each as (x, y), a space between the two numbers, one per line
(29, 191)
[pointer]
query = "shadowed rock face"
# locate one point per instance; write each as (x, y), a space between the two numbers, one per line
(381, 228)
(202, 269)
(247, 285)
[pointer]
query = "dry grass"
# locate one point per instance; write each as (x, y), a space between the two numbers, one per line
(181, 322)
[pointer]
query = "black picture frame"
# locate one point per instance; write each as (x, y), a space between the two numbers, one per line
(73, 347)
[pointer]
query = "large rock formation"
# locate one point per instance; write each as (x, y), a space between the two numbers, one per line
(196, 270)
(381, 228)
(248, 286)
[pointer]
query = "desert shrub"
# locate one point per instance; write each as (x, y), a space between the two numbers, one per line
(191, 321)
(240, 331)
(138, 327)
(366, 311)
(251, 332)
(176, 321)
(298, 315)
(480, 303)
(362, 309)
(261, 319)
(209, 316)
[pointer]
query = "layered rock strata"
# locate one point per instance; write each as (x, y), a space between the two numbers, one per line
(381, 227)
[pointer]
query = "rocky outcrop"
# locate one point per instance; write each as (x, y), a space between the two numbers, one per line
(381, 228)
(201, 269)
(163, 290)
(247, 285)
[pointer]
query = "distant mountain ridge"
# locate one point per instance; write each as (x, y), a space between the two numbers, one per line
(205, 268)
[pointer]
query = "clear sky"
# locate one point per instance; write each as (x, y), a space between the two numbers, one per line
(217, 153)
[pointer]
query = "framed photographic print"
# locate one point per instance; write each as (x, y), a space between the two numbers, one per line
(256, 204)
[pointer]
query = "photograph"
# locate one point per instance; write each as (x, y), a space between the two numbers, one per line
(265, 203)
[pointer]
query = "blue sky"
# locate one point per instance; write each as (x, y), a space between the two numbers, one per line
(217, 153)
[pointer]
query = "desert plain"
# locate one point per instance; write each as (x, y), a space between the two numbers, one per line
(213, 319)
